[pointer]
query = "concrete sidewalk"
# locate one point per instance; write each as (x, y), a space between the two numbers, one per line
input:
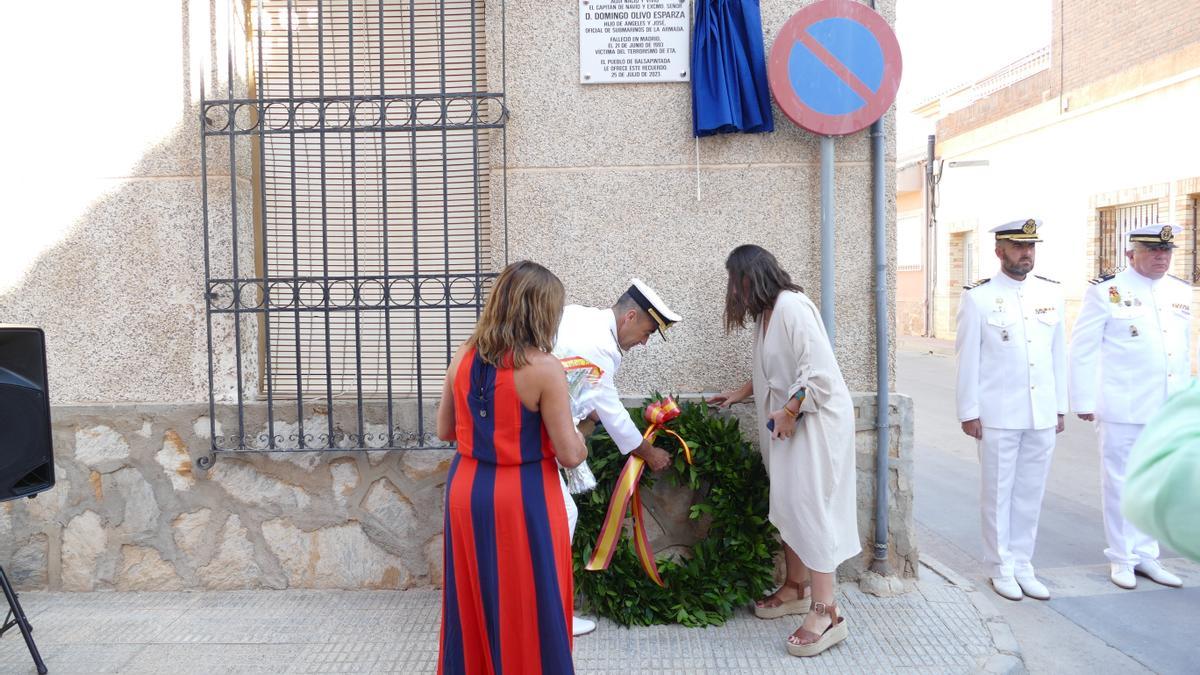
(944, 626)
(925, 345)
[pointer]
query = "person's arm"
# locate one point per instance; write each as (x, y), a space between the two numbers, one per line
(967, 352)
(619, 425)
(613, 414)
(446, 421)
(813, 386)
(1086, 337)
(1058, 351)
(802, 325)
(728, 398)
(555, 406)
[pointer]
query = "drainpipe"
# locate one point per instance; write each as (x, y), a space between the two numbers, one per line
(880, 563)
(930, 239)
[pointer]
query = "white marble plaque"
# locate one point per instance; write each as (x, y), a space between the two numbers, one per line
(634, 41)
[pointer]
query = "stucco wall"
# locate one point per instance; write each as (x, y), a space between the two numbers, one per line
(602, 186)
(105, 250)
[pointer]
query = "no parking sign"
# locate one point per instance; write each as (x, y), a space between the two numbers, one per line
(835, 67)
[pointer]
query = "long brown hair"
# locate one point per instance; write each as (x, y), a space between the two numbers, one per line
(522, 311)
(755, 280)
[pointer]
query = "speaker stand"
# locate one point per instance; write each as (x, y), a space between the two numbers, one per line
(16, 618)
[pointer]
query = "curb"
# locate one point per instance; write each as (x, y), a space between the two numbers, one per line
(1008, 660)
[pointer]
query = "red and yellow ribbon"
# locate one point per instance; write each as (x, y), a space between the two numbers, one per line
(625, 495)
(579, 363)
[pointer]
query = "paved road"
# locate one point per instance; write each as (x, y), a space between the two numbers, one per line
(1089, 626)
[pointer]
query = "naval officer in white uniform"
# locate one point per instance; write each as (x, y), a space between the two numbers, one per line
(602, 336)
(1130, 350)
(1012, 397)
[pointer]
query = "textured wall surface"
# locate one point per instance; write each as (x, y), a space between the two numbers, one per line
(605, 183)
(130, 511)
(107, 248)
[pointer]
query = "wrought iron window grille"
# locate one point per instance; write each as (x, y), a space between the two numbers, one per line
(347, 186)
(1113, 225)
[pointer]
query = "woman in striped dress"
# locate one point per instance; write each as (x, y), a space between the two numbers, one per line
(508, 590)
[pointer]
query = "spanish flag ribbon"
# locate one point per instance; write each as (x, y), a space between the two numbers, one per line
(578, 363)
(625, 494)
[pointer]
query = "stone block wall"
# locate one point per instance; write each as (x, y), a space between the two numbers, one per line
(130, 512)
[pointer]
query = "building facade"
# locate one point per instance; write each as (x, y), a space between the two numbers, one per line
(272, 248)
(1095, 135)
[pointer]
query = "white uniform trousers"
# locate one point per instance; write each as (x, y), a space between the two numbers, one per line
(1014, 464)
(1127, 545)
(572, 510)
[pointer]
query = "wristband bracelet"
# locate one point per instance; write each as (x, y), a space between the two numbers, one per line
(793, 415)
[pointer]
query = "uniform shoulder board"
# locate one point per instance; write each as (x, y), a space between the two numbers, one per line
(976, 284)
(1181, 279)
(1101, 279)
(1045, 279)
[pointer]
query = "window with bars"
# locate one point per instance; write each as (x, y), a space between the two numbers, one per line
(371, 127)
(1113, 224)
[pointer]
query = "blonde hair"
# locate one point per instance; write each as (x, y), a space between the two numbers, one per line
(522, 311)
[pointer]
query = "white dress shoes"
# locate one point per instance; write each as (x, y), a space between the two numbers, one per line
(581, 626)
(1156, 573)
(1122, 575)
(1006, 587)
(1033, 588)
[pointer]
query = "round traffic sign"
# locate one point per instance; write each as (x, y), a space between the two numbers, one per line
(835, 67)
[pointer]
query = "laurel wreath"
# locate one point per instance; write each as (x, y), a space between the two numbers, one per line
(727, 569)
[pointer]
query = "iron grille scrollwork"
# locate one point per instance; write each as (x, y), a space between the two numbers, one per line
(348, 217)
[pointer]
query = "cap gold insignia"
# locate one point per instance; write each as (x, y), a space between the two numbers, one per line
(1030, 227)
(662, 325)
(1166, 234)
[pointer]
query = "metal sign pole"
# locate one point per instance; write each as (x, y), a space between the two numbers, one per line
(827, 263)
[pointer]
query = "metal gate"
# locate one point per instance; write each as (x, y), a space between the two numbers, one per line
(349, 222)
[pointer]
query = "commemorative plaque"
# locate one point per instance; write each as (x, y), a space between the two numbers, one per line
(634, 41)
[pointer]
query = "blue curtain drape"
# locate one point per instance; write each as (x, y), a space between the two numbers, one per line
(729, 70)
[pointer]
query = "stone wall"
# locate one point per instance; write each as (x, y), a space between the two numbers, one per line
(131, 512)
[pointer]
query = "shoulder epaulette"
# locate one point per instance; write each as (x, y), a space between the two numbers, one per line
(1045, 279)
(976, 284)
(1101, 279)
(1181, 279)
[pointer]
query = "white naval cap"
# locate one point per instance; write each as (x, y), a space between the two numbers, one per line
(648, 300)
(1159, 235)
(1025, 230)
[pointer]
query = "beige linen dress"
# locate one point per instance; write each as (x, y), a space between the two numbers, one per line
(812, 473)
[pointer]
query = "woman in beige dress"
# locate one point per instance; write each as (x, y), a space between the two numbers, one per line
(809, 449)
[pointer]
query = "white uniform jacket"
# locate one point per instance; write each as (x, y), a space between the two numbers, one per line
(1012, 353)
(1130, 346)
(591, 333)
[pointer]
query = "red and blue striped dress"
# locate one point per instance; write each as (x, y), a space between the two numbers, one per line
(508, 589)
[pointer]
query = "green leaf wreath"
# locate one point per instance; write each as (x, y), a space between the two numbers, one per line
(727, 569)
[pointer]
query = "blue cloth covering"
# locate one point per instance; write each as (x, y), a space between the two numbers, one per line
(729, 69)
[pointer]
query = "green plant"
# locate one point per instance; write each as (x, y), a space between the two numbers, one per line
(730, 567)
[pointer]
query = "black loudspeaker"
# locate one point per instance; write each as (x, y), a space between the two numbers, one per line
(26, 454)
